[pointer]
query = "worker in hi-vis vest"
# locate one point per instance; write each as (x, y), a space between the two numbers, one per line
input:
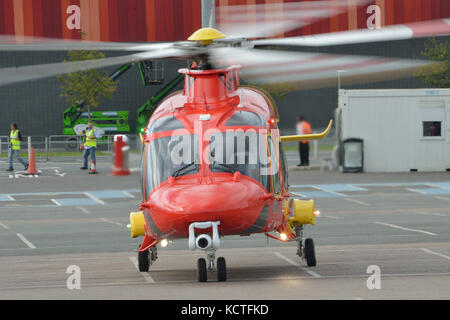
(14, 147)
(303, 127)
(90, 145)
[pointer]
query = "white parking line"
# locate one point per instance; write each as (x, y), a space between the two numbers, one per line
(442, 198)
(331, 217)
(94, 198)
(28, 243)
(146, 276)
(357, 201)
(406, 229)
(4, 226)
(84, 210)
(312, 273)
(430, 214)
(110, 221)
(56, 202)
(435, 253)
(128, 194)
(416, 191)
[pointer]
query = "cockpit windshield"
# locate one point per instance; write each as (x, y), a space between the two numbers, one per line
(174, 155)
(243, 151)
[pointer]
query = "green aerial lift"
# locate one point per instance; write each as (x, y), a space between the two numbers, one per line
(117, 121)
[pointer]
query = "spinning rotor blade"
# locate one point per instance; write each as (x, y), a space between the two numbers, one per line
(268, 20)
(439, 27)
(18, 74)
(313, 70)
(20, 43)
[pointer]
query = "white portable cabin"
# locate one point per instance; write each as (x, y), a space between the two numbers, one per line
(402, 129)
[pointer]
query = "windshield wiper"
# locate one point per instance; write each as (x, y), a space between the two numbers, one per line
(224, 167)
(180, 171)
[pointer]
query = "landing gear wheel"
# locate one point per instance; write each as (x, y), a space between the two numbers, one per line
(310, 254)
(154, 253)
(221, 269)
(201, 270)
(143, 261)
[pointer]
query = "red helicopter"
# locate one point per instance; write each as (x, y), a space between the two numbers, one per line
(213, 163)
(233, 177)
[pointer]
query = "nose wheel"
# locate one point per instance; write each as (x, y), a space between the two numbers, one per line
(202, 269)
(146, 258)
(307, 250)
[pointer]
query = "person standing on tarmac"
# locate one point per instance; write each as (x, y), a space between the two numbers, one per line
(303, 127)
(14, 147)
(90, 145)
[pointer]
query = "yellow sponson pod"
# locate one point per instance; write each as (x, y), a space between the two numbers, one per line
(206, 35)
(303, 212)
(137, 222)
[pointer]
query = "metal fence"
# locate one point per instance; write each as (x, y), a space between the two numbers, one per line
(46, 147)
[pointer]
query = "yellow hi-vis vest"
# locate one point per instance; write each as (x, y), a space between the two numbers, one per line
(91, 139)
(14, 140)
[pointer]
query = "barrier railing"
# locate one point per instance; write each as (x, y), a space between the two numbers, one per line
(47, 146)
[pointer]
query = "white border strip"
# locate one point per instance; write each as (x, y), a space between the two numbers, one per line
(28, 243)
(435, 253)
(94, 198)
(312, 273)
(406, 229)
(146, 276)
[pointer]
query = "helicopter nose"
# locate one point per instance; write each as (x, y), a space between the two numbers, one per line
(235, 204)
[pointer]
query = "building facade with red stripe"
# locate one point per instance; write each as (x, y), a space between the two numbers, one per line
(169, 20)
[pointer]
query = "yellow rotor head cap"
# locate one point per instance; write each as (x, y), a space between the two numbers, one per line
(206, 35)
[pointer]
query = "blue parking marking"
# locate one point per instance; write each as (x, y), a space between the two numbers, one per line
(5, 197)
(316, 194)
(77, 202)
(432, 191)
(109, 194)
(339, 187)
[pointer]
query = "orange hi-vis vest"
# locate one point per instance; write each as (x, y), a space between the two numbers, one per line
(306, 129)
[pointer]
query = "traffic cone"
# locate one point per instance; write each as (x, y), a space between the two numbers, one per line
(92, 168)
(32, 164)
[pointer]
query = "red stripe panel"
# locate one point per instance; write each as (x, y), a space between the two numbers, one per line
(124, 32)
(187, 20)
(141, 27)
(113, 21)
(445, 8)
(132, 21)
(179, 18)
(196, 15)
(8, 17)
(398, 12)
(37, 18)
(2, 19)
(158, 23)
(435, 9)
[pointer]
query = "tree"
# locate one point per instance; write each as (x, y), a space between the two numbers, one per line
(436, 75)
(90, 86)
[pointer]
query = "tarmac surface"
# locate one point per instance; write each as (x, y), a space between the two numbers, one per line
(398, 224)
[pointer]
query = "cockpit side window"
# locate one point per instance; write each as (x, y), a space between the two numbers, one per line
(168, 123)
(245, 118)
(274, 165)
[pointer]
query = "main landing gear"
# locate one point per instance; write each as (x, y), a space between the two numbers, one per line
(146, 258)
(202, 270)
(305, 251)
